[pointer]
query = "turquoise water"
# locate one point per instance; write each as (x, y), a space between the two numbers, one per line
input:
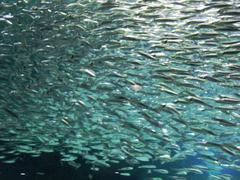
(125, 87)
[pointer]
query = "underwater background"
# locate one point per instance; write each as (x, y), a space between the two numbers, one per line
(119, 89)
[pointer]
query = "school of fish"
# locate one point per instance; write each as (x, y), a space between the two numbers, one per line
(137, 81)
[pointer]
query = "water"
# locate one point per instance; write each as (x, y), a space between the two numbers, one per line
(119, 89)
(48, 167)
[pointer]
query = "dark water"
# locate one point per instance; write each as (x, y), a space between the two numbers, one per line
(48, 167)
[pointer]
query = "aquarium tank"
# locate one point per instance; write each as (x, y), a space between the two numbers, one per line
(119, 90)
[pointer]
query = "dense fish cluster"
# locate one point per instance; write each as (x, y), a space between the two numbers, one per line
(122, 80)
